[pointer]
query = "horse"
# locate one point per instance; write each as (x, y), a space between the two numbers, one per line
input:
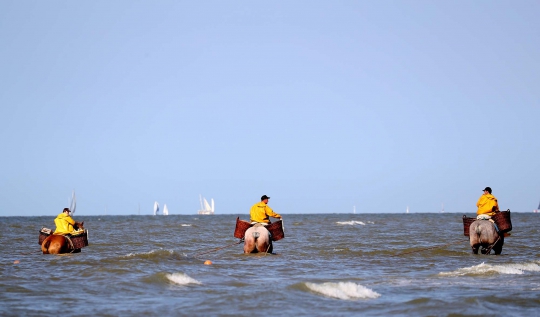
(58, 244)
(257, 239)
(482, 234)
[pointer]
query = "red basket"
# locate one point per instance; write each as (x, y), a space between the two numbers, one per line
(241, 227)
(80, 241)
(466, 224)
(502, 220)
(276, 230)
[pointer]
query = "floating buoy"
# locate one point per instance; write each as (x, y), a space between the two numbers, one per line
(16, 262)
(207, 262)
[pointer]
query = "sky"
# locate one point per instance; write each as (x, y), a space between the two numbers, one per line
(324, 106)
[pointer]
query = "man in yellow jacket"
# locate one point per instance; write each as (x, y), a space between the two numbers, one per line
(487, 204)
(260, 212)
(64, 223)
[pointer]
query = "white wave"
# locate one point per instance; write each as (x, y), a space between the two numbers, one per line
(343, 290)
(182, 279)
(147, 253)
(186, 225)
(511, 268)
(141, 253)
(351, 223)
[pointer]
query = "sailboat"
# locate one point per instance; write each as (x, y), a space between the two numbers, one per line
(407, 210)
(537, 210)
(206, 208)
(72, 202)
(354, 209)
(165, 210)
(442, 210)
(156, 208)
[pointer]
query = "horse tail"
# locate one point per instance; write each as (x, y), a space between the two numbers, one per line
(478, 232)
(255, 235)
(45, 245)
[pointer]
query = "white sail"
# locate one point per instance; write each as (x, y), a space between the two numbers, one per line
(165, 210)
(206, 208)
(156, 208)
(407, 210)
(73, 202)
(354, 209)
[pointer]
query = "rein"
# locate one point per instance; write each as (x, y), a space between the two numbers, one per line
(219, 248)
(429, 248)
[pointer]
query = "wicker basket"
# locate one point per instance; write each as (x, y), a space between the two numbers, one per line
(502, 220)
(276, 230)
(43, 234)
(241, 227)
(80, 241)
(466, 224)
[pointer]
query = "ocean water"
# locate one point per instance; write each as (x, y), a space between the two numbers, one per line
(327, 265)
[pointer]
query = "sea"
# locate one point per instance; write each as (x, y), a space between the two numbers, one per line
(327, 265)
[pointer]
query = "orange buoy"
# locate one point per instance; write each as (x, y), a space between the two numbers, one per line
(207, 262)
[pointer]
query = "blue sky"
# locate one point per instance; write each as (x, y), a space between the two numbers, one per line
(321, 105)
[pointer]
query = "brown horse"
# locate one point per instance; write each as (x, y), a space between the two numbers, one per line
(484, 236)
(58, 244)
(257, 239)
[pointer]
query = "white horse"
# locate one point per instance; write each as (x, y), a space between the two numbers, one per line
(257, 239)
(482, 234)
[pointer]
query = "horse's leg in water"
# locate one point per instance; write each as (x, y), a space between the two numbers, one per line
(499, 245)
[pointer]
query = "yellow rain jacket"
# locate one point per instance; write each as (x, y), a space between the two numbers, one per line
(260, 212)
(64, 224)
(485, 205)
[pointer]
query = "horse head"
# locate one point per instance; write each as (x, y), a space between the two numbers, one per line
(79, 225)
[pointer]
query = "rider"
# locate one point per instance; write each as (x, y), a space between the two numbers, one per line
(487, 204)
(260, 212)
(64, 223)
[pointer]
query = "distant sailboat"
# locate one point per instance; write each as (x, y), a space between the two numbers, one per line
(407, 210)
(537, 210)
(72, 202)
(156, 208)
(354, 209)
(206, 208)
(165, 210)
(442, 210)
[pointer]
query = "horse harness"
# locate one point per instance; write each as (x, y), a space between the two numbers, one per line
(72, 247)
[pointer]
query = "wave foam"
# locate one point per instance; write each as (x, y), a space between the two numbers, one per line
(186, 225)
(343, 290)
(182, 279)
(351, 223)
(480, 269)
(149, 253)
